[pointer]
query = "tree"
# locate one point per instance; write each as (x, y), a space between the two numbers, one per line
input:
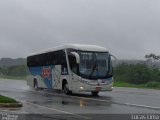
(136, 73)
(152, 57)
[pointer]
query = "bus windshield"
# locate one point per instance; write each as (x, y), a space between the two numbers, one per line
(95, 65)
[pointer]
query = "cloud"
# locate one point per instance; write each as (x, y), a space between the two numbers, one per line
(129, 29)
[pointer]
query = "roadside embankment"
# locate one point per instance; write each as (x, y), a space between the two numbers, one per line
(9, 102)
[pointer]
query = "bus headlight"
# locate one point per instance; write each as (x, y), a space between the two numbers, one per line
(81, 88)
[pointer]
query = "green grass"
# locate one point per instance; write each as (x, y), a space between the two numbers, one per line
(4, 99)
(13, 77)
(152, 85)
(124, 84)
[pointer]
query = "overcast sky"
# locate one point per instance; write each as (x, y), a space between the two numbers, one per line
(129, 29)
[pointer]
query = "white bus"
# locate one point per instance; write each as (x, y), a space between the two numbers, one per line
(72, 68)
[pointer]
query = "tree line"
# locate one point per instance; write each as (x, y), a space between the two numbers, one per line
(14, 71)
(136, 73)
(147, 73)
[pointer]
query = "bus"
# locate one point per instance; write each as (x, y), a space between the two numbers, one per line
(72, 68)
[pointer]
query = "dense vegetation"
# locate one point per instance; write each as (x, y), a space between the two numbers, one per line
(137, 75)
(19, 71)
(4, 99)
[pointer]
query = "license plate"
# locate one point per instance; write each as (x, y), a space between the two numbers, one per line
(98, 88)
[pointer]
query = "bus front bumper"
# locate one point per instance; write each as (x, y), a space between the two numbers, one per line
(89, 88)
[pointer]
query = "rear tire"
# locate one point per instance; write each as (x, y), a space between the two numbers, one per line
(66, 89)
(95, 93)
(36, 85)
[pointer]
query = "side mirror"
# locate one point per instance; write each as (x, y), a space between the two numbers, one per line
(77, 57)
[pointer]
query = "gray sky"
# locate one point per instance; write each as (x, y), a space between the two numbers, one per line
(129, 29)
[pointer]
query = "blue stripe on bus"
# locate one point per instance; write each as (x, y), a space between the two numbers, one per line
(35, 71)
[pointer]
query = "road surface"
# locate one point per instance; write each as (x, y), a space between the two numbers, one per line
(43, 104)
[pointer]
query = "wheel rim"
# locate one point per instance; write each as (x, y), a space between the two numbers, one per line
(35, 86)
(66, 89)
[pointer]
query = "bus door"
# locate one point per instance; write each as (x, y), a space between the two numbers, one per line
(56, 77)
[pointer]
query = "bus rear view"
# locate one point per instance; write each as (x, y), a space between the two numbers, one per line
(80, 68)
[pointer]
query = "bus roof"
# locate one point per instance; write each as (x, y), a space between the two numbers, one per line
(83, 47)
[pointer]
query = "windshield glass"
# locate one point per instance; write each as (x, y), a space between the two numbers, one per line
(94, 65)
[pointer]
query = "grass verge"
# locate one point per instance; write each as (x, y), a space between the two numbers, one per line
(4, 99)
(8, 102)
(150, 85)
(12, 77)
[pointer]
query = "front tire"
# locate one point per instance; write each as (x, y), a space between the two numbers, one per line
(66, 89)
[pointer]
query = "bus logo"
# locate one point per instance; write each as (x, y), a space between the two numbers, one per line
(46, 72)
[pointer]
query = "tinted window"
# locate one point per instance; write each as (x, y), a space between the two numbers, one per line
(51, 58)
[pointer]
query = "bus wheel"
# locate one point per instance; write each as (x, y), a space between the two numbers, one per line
(35, 85)
(95, 93)
(66, 89)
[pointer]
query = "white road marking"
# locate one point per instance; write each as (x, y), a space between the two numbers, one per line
(15, 112)
(58, 110)
(145, 106)
(53, 109)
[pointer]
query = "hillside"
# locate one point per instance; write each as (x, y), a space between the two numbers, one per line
(12, 62)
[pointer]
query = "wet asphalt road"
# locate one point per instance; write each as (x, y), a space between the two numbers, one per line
(45, 104)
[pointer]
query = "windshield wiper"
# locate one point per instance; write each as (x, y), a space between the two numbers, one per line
(95, 65)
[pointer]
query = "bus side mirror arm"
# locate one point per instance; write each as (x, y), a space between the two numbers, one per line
(77, 57)
(113, 57)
